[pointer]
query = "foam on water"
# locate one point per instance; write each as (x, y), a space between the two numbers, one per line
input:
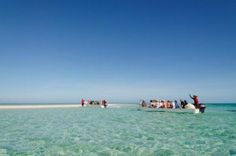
(116, 131)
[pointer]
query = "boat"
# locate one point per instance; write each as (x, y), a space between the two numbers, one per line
(96, 104)
(155, 106)
(178, 110)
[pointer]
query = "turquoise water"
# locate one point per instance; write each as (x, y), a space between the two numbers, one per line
(118, 131)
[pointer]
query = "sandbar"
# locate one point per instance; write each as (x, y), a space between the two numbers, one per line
(38, 106)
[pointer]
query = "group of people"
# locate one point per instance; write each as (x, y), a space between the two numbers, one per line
(171, 104)
(102, 103)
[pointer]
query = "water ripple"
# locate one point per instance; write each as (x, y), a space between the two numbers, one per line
(123, 131)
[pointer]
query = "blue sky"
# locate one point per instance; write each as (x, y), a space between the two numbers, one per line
(61, 51)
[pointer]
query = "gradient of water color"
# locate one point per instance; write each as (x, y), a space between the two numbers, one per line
(118, 131)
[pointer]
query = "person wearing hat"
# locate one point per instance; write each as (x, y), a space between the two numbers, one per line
(195, 99)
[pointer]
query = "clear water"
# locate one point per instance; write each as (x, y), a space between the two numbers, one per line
(118, 131)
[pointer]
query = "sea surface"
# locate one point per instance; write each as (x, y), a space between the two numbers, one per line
(118, 131)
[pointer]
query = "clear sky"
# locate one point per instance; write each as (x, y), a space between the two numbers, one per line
(120, 50)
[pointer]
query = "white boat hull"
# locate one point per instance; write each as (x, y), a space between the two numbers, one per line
(194, 111)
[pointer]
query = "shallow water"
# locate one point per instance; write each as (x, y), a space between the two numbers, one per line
(118, 131)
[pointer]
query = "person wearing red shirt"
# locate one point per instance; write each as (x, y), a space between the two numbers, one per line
(82, 102)
(195, 99)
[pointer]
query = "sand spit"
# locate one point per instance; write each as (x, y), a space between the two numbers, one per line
(38, 106)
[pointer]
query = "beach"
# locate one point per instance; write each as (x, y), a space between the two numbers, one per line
(39, 106)
(123, 130)
(48, 106)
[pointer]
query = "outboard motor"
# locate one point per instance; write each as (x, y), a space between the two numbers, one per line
(202, 108)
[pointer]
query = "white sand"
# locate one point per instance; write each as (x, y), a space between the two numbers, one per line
(51, 106)
(38, 106)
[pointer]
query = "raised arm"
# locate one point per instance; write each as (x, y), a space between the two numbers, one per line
(190, 96)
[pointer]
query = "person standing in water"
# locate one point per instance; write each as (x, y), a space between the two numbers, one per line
(195, 99)
(105, 103)
(82, 102)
